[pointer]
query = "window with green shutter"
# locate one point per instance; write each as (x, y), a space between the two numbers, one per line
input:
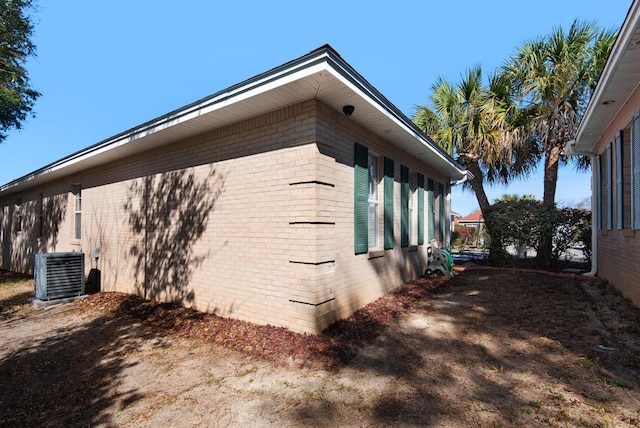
(635, 172)
(431, 210)
(388, 204)
(404, 206)
(619, 181)
(420, 209)
(441, 211)
(361, 199)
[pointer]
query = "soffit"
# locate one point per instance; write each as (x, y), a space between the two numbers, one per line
(619, 80)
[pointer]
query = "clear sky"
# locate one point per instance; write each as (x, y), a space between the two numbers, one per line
(105, 67)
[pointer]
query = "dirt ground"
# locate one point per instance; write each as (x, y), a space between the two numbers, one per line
(487, 348)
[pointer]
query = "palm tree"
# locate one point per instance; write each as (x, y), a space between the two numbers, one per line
(481, 127)
(553, 78)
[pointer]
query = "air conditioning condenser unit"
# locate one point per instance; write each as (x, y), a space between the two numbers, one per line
(59, 275)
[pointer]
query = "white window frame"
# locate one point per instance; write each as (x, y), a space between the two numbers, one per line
(413, 212)
(77, 211)
(373, 174)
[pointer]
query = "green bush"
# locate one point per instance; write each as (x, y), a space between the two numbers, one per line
(522, 222)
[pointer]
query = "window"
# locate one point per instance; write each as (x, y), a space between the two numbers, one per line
(619, 182)
(441, 217)
(18, 215)
(608, 186)
(599, 195)
(373, 180)
(420, 209)
(413, 221)
(40, 215)
(388, 204)
(404, 206)
(366, 205)
(431, 207)
(77, 193)
(635, 182)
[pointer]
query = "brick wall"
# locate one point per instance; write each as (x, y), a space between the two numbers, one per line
(618, 249)
(252, 221)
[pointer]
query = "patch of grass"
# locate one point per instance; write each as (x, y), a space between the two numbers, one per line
(619, 383)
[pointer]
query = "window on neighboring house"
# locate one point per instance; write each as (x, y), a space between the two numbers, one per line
(635, 168)
(608, 186)
(388, 204)
(619, 181)
(405, 194)
(18, 215)
(40, 215)
(77, 193)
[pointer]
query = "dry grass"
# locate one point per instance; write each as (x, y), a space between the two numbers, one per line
(487, 348)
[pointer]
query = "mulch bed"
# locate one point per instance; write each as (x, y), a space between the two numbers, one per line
(329, 351)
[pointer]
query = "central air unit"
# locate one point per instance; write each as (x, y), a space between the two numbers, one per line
(59, 275)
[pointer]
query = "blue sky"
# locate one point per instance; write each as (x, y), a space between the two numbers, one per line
(105, 67)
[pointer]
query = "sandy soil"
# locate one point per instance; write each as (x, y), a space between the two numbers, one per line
(487, 348)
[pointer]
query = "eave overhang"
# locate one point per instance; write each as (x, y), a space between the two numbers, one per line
(619, 79)
(322, 74)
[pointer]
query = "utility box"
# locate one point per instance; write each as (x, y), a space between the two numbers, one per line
(59, 275)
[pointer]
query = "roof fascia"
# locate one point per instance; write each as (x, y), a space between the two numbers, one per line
(324, 58)
(619, 47)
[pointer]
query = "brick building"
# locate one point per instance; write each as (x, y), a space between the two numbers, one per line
(610, 133)
(292, 198)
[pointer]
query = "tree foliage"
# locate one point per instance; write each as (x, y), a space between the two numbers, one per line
(16, 94)
(523, 222)
(478, 124)
(553, 77)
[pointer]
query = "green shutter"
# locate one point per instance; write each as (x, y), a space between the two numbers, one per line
(619, 181)
(361, 198)
(388, 203)
(420, 209)
(441, 214)
(404, 206)
(431, 210)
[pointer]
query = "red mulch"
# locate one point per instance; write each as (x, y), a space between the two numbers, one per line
(330, 350)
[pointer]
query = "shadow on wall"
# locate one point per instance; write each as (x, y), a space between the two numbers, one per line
(168, 213)
(37, 232)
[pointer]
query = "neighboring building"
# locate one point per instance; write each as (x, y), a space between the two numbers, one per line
(293, 198)
(610, 133)
(474, 220)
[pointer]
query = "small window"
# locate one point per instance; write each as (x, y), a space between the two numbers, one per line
(77, 193)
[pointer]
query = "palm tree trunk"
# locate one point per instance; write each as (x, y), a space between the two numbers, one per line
(551, 163)
(477, 184)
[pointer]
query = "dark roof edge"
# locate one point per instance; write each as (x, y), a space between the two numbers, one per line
(326, 50)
